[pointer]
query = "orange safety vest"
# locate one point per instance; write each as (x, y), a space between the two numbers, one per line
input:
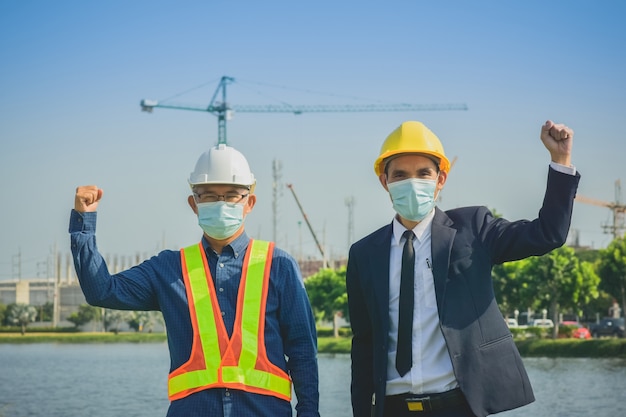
(217, 361)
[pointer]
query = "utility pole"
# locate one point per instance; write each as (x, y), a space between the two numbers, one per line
(17, 264)
(350, 205)
(300, 258)
(276, 193)
(56, 301)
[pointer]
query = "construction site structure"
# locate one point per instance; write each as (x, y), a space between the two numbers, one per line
(618, 227)
(220, 107)
(224, 111)
(308, 223)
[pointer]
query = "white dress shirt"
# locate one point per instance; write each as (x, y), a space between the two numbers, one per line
(431, 371)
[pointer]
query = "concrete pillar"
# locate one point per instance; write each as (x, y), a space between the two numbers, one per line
(22, 292)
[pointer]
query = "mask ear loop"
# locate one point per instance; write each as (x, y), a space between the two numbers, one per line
(437, 191)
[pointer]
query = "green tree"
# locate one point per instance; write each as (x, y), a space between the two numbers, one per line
(588, 255)
(327, 293)
(589, 287)
(154, 317)
(561, 282)
(510, 286)
(612, 270)
(140, 320)
(597, 307)
(21, 315)
(113, 319)
(46, 311)
(84, 315)
(495, 213)
(3, 311)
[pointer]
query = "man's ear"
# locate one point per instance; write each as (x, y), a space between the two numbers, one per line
(383, 180)
(441, 179)
(250, 203)
(192, 203)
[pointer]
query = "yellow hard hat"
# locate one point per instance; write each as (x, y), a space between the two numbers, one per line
(411, 137)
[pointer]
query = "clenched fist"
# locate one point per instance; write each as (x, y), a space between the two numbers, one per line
(87, 198)
(558, 138)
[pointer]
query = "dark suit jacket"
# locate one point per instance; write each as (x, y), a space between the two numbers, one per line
(466, 243)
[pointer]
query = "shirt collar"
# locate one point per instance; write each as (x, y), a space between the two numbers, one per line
(422, 230)
(237, 246)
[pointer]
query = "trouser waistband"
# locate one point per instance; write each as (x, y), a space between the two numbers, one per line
(425, 402)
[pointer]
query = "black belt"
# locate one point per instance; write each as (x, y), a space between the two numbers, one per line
(426, 402)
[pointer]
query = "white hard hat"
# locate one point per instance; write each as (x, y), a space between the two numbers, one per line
(222, 164)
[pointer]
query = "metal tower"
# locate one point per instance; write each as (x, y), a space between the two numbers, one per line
(350, 204)
(277, 191)
(618, 209)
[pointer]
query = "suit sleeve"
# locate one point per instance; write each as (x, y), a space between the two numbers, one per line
(511, 241)
(129, 290)
(362, 385)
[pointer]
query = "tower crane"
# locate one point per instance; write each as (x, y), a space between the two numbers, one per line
(220, 107)
(224, 111)
(617, 208)
(306, 219)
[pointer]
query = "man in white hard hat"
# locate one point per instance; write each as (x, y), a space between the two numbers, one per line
(239, 324)
(428, 337)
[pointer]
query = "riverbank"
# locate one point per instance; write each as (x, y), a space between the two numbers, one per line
(560, 348)
(572, 348)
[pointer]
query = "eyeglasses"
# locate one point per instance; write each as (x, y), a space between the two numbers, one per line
(232, 198)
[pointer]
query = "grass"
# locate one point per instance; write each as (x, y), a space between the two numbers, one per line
(82, 337)
(592, 348)
(573, 348)
(334, 345)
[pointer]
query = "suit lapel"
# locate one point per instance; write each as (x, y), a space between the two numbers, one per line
(441, 245)
(378, 275)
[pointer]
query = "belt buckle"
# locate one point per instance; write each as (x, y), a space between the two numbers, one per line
(418, 404)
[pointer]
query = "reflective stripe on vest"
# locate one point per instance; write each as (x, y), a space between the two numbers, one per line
(239, 362)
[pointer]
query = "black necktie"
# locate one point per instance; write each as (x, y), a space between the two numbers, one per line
(404, 351)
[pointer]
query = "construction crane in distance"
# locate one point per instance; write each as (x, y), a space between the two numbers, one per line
(224, 111)
(306, 219)
(617, 208)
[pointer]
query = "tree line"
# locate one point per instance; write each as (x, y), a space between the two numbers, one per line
(21, 315)
(580, 283)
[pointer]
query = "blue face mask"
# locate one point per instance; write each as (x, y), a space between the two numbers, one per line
(413, 198)
(220, 220)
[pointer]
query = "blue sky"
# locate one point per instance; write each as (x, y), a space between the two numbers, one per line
(72, 74)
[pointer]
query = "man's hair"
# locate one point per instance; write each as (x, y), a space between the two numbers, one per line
(432, 158)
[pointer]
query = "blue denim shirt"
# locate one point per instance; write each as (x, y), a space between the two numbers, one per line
(157, 284)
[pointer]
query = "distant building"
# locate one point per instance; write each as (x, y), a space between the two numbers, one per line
(310, 267)
(39, 291)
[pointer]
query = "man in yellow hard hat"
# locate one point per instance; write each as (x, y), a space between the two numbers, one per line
(427, 332)
(239, 324)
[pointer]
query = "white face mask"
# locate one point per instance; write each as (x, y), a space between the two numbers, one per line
(220, 220)
(413, 198)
